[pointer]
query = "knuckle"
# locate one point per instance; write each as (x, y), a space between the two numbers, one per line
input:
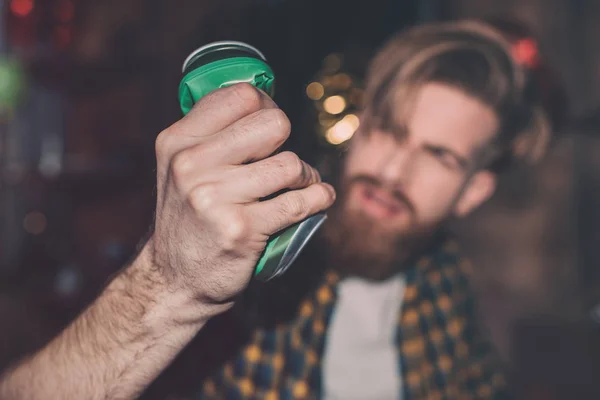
(295, 206)
(201, 151)
(282, 124)
(260, 174)
(181, 165)
(161, 144)
(204, 198)
(249, 96)
(292, 164)
(325, 195)
(234, 229)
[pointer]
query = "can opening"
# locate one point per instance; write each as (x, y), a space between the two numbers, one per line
(219, 51)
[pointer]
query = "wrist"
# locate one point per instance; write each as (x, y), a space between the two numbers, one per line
(173, 302)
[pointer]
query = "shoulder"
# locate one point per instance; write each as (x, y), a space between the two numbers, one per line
(445, 271)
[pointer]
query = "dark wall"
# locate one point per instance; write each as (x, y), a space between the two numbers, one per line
(114, 88)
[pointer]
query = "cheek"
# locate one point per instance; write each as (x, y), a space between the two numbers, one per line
(434, 195)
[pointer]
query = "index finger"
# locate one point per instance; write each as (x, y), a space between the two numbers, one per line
(221, 108)
(213, 113)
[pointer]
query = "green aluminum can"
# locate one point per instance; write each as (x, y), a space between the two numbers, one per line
(222, 64)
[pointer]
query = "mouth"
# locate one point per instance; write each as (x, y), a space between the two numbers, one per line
(381, 204)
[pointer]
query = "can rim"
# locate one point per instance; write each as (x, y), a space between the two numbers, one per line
(199, 50)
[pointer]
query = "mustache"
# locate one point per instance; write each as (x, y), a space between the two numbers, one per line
(398, 195)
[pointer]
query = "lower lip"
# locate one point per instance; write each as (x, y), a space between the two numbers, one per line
(377, 208)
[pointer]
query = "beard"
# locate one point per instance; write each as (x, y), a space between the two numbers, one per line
(358, 245)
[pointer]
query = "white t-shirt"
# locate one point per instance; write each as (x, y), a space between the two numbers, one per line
(361, 358)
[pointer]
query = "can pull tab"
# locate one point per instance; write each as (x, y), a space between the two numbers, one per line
(264, 81)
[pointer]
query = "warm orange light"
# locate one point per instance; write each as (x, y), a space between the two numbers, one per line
(315, 91)
(339, 133)
(21, 8)
(343, 130)
(353, 120)
(342, 81)
(334, 105)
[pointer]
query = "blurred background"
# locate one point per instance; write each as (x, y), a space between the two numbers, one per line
(85, 87)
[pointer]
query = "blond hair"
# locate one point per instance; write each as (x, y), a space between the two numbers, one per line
(472, 56)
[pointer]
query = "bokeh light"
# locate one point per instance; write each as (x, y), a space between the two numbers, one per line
(334, 105)
(343, 130)
(315, 91)
(21, 8)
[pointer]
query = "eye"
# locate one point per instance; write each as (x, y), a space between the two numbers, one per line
(444, 156)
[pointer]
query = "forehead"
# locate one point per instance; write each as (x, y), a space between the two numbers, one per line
(447, 116)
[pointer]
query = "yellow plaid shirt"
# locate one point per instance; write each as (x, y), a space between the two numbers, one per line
(440, 353)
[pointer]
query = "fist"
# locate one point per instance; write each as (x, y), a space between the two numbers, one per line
(216, 177)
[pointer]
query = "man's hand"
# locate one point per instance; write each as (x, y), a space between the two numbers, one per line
(214, 166)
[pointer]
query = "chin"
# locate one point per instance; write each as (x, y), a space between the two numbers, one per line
(371, 248)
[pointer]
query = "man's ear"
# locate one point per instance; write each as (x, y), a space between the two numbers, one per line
(479, 189)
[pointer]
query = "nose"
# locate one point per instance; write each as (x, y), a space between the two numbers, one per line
(396, 165)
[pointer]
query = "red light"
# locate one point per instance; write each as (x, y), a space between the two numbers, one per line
(525, 51)
(21, 8)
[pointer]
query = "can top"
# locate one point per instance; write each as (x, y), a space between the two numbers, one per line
(222, 64)
(222, 46)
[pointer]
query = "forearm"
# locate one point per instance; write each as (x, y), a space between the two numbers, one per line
(117, 346)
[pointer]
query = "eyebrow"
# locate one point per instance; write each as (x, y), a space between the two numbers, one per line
(401, 132)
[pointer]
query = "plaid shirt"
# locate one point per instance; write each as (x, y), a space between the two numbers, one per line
(440, 354)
